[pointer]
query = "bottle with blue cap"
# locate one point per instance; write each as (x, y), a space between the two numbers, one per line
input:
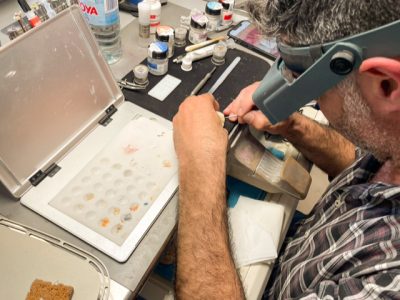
(213, 13)
(157, 59)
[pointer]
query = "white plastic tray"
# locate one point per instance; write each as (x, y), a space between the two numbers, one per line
(27, 254)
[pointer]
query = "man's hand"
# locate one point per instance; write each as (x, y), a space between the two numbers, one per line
(243, 107)
(198, 135)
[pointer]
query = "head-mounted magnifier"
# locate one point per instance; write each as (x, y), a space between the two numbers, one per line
(319, 67)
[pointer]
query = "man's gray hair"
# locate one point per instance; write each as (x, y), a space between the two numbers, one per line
(305, 22)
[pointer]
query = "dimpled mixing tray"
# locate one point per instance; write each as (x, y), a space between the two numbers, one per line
(116, 189)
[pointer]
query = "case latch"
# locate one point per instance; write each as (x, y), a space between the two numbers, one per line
(40, 175)
(107, 118)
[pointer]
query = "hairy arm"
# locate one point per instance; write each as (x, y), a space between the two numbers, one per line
(324, 146)
(205, 267)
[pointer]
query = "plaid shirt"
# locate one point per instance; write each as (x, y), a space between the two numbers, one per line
(349, 246)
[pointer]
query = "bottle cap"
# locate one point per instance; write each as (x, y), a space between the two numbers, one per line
(199, 21)
(144, 12)
(164, 33)
(227, 4)
(213, 8)
(158, 50)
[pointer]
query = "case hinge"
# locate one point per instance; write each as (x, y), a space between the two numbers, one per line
(107, 118)
(40, 175)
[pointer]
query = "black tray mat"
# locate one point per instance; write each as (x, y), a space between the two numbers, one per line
(249, 70)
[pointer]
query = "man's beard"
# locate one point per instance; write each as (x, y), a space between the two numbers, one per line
(357, 124)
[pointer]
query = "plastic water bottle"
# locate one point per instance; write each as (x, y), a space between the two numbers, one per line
(103, 18)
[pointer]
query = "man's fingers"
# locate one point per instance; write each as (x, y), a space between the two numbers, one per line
(216, 105)
(199, 102)
(242, 104)
(256, 119)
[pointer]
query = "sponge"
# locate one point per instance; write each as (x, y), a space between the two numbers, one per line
(45, 290)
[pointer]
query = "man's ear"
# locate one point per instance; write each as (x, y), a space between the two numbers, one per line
(387, 72)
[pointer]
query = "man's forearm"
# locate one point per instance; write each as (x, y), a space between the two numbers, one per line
(205, 266)
(326, 148)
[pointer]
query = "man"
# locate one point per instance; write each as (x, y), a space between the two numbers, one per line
(349, 246)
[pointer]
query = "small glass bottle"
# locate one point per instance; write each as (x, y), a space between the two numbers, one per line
(157, 59)
(166, 34)
(219, 53)
(140, 73)
(180, 36)
(213, 13)
(227, 12)
(198, 29)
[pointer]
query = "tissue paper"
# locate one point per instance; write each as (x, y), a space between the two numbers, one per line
(255, 228)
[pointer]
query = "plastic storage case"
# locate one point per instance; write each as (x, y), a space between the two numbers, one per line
(28, 254)
(76, 152)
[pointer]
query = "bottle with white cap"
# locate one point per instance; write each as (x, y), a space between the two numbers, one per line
(144, 9)
(213, 13)
(227, 12)
(155, 15)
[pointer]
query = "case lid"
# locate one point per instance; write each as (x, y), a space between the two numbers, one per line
(55, 87)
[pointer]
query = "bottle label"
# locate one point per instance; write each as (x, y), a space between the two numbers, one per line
(197, 36)
(227, 16)
(158, 69)
(100, 12)
(144, 31)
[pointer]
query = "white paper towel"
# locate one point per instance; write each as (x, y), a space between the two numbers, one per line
(255, 230)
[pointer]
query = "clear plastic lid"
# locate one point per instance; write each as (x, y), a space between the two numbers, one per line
(55, 86)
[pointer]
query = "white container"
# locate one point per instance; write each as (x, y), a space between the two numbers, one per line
(198, 29)
(166, 34)
(213, 13)
(227, 12)
(103, 18)
(157, 59)
(155, 15)
(144, 9)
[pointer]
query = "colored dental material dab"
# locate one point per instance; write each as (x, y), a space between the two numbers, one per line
(167, 164)
(104, 222)
(129, 149)
(134, 207)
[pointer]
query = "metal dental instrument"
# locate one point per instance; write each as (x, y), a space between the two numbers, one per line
(131, 86)
(202, 82)
(224, 75)
(231, 116)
